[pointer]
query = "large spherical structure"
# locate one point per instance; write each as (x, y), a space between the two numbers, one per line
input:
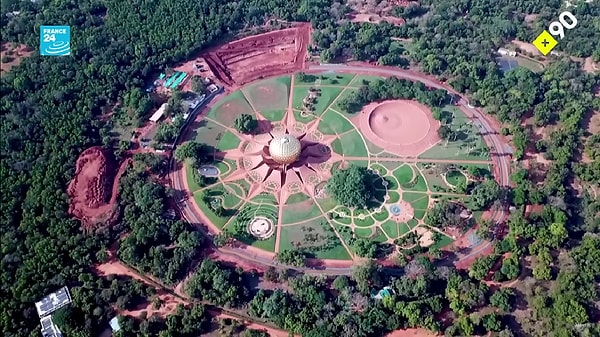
(285, 149)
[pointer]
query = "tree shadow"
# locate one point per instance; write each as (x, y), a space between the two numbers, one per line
(193, 128)
(263, 126)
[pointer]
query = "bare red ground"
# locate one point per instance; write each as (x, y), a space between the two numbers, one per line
(403, 127)
(411, 333)
(168, 306)
(15, 51)
(271, 331)
(93, 191)
(264, 55)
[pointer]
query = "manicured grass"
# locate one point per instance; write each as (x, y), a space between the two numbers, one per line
(273, 115)
(235, 188)
(225, 167)
(189, 176)
(446, 240)
(410, 197)
(228, 141)
(296, 234)
(418, 184)
(327, 204)
(209, 133)
(297, 197)
(269, 94)
(412, 223)
(343, 220)
(468, 137)
(227, 109)
(529, 64)
(366, 222)
(394, 197)
(334, 123)
(344, 231)
(379, 236)
(404, 174)
(300, 211)
(363, 232)
(350, 144)
(403, 228)
(322, 101)
(326, 79)
(455, 177)
(268, 245)
(381, 169)
(216, 220)
(336, 253)
(381, 216)
(391, 228)
(231, 201)
(421, 203)
(303, 118)
(419, 213)
(358, 80)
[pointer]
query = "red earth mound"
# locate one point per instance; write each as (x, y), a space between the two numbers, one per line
(269, 54)
(93, 191)
(403, 127)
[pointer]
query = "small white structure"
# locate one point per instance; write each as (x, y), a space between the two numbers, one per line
(261, 228)
(555, 53)
(159, 113)
(212, 88)
(504, 51)
(114, 324)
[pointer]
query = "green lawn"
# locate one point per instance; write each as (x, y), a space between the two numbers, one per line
(404, 174)
(325, 79)
(228, 141)
(455, 177)
(227, 109)
(363, 232)
(403, 228)
(189, 176)
(468, 145)
(297, 197)
(391, 228)
(333, 123)
(350, 144)
(359, 80)
(217, 221)
(381, 216)
(209, 133)
(269, 94)
(268, 245)
(421, 203)
(273, 115)
(301, 211)
(394, 197)
(327, 95)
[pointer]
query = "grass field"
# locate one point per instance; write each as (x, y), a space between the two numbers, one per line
(327, 95)
(273, 115)
(455, 177)
(325, 79)
(269, 94)
(208, 133)
(226, 110)
(468, 145)
(300, 211)
(333, 123)
(361, 80)
(228, 141)
(350, 144)
(404, 174)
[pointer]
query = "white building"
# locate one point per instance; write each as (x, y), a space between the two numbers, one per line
(212, 88)
(159, 113)
(504, 51)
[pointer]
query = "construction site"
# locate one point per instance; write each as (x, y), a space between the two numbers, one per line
(239, 62)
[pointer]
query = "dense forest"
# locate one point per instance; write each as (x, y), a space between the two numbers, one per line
(49, 109)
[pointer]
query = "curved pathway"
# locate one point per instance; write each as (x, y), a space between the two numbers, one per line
(489, 133)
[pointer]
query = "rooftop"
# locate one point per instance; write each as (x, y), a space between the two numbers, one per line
(53, 302)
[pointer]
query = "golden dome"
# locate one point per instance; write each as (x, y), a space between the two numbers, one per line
(285, 149)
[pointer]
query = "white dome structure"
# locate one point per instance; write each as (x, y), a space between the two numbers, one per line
(285, 149)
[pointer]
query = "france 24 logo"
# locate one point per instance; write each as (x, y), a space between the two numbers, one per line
(55, 40)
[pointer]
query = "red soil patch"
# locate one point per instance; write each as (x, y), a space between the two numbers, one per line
(93, 190)
(411, 333)
(15, 53)
(249, 325)
(117, 268)
(403, 127)
(168, 306)
(264, 55)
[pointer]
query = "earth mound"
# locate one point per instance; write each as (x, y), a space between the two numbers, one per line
(92, 192)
